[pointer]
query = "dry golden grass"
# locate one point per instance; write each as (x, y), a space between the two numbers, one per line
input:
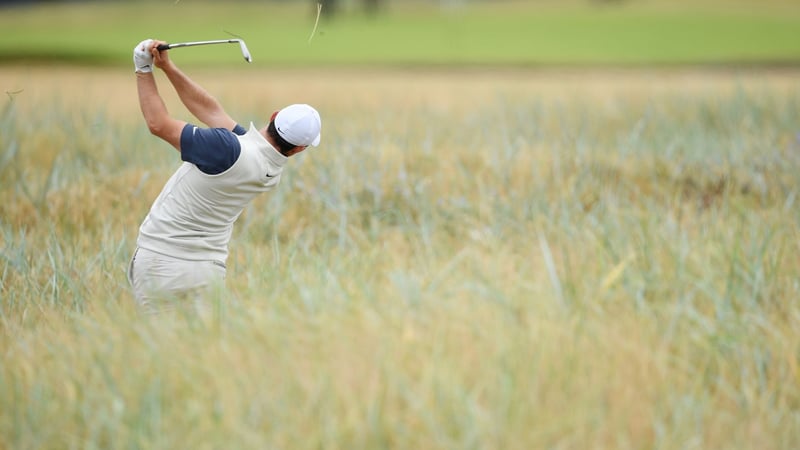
(470, 260)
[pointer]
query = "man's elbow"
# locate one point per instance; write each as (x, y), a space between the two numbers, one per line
(169, 130)
(152, 125)
(156, 127)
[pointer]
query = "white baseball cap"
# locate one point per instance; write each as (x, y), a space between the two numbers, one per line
(299, 125)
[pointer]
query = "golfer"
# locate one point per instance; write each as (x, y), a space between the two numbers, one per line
(183, 241)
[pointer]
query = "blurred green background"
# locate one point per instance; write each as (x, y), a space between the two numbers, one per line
(413, 33)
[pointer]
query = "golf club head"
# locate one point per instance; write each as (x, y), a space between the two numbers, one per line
(245, 51)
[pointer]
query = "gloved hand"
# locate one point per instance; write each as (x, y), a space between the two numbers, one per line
(142, 58)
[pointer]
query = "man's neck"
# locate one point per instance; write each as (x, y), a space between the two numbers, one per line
(274, 145)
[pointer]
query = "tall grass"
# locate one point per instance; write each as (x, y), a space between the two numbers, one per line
(521, 268)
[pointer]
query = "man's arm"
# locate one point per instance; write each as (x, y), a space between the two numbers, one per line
(196, 99)
(153, 109)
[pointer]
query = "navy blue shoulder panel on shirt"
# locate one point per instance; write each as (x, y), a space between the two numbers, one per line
(212, 150)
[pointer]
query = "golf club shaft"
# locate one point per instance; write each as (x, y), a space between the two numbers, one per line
(192, 44)
(242, 46)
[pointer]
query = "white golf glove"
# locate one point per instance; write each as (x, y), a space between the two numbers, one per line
(142, 58)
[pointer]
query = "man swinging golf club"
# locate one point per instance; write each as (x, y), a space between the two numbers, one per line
(182, 245)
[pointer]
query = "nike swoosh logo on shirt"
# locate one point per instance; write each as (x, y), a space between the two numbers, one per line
(271, 176)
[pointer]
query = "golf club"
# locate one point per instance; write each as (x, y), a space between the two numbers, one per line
(245, 52)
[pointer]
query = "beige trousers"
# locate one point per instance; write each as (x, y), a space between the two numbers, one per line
(162, 283)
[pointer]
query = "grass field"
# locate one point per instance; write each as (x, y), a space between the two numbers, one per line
(515, 33)
(482, 257)
(492, 259)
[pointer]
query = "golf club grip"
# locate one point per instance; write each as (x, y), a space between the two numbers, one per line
(162, 47)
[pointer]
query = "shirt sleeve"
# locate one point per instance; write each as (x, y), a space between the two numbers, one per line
(212, 150)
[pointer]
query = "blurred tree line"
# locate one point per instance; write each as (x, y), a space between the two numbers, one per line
(331, 7)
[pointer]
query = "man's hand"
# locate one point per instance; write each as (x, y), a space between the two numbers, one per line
(143, 57)
(160, 58)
